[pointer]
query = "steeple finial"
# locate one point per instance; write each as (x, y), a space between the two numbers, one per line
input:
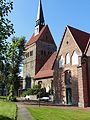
(40, 19)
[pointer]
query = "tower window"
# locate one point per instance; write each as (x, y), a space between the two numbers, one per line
(31, 53)
(27, 55)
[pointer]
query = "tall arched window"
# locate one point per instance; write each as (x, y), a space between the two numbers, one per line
(61, 62)
(67, 77)
(67, 58)
(74, 58)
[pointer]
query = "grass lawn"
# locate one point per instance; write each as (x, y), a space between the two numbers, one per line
(2, 98)
(7, 111)
(43, 113)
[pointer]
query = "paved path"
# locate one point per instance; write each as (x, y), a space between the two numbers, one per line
(22, 113)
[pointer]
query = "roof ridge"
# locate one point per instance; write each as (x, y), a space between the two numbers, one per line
(78, 29)
(35, 36)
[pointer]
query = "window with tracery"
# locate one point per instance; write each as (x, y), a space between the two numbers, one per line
(67, 58)
(61, 62)
(74, 58)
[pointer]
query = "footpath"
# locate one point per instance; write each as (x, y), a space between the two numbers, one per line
(22, 112)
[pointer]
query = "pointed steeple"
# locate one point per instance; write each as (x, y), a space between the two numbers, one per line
(40, 19)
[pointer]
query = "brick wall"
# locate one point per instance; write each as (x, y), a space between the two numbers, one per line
(68, 46)
(89, 78)
(29, 62)
(83, 83)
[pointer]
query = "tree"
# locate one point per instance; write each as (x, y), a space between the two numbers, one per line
(14, 59)
(6, 27)
(2, 85)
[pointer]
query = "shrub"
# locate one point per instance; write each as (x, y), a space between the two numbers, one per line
(32, 91)
(51, 92)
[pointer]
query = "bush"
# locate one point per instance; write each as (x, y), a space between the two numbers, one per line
(32, 91)
(24, 93)
(37, 90)
(51, 92)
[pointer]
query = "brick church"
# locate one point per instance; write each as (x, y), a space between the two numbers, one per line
(66, 71)
(72, 69)
(39, 55)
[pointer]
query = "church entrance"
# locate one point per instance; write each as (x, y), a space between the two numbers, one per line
(68, 82)
(68, 96)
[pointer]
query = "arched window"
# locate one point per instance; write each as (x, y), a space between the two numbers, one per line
(67, 77)
(61, 62)
(67, 58)
(74, 58)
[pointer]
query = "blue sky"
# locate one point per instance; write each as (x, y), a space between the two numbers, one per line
(57, 14)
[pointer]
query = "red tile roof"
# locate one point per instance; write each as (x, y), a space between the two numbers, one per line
(47, 70)
(80, 37)
(40, 36)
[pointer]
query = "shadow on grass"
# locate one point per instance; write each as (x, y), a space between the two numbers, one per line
(5, 118)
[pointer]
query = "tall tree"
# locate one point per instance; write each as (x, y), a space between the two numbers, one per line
(6, 27)
(15, 57)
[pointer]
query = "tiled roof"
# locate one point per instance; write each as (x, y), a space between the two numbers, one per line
(46, 70)
(44, 74)
(44, 31)
(80, 37)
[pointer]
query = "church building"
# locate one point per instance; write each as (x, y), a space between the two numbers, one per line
(67, 71)
(72, 69)
(40, 55)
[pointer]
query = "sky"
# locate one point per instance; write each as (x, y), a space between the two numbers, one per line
(57, 14)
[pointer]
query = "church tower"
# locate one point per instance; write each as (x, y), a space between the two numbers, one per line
(38, 49)
(40, 19)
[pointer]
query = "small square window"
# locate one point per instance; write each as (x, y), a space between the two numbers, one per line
(27, 55)
(31, 53)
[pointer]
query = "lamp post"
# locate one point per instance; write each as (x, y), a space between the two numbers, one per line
(39, 98)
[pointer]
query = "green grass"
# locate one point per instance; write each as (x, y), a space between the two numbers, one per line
(58, 114)
(7, 111)
(3, 98)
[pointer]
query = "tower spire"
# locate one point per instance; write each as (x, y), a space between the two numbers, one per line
(40, 19)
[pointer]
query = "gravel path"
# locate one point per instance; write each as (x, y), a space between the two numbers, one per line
(22, 113)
